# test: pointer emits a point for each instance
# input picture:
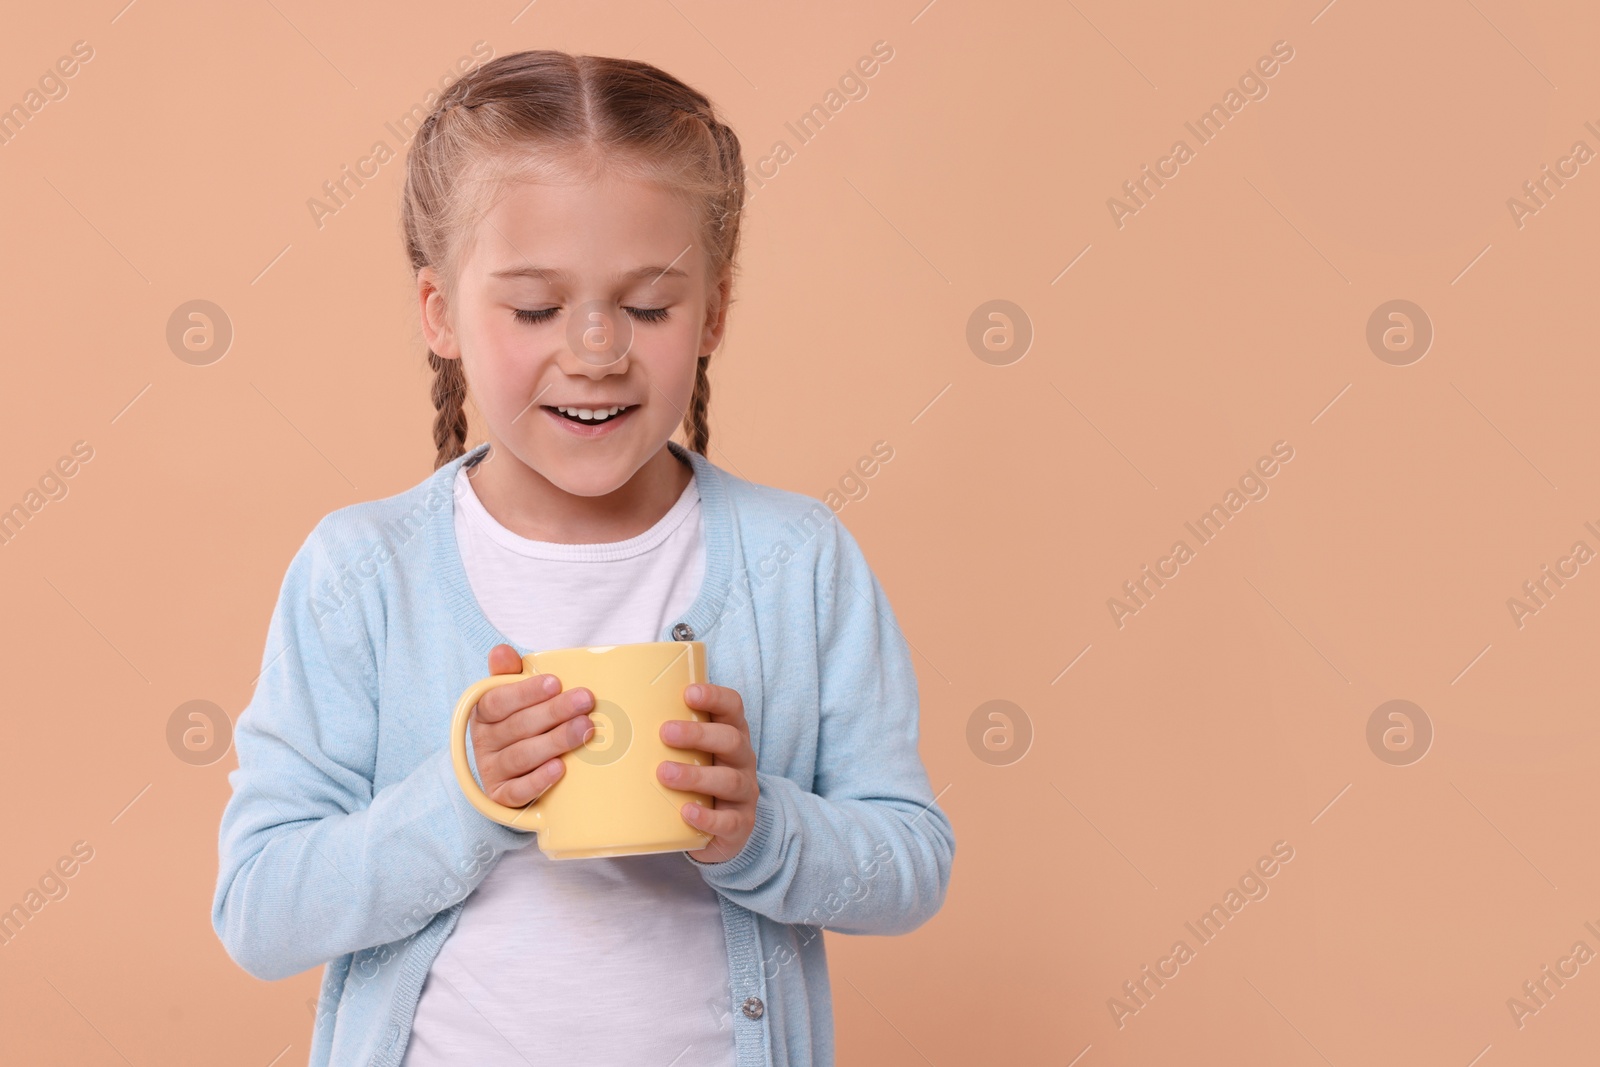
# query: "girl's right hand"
(520, 730)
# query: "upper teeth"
(591, 413)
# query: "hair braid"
(449, 400)
(696, 425)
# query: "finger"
(529, 787)
(511, 697)
(503, 659)
(540, 717)
(724, 783)
(528, 753)
(718, 701)
(718, 822)
(721, 739)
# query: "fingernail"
(670, 771)
(697, 692)
(582, 699)
(551, 684)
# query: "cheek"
(670, 355)
(504, 360)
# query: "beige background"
(1228, 314)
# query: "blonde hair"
(547, 114)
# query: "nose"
(599, 340)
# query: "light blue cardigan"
(348, 842)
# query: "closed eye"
(546, 314)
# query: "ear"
(436, 326)
(716, 314)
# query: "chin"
(591, 487)
(593, 478)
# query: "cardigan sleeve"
(868, 851)
(313, 862)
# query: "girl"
(573, 222)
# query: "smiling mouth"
(590, 416)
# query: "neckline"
(482, 635)
(473, 511)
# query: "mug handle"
(530, 817)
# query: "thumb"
(503, 659)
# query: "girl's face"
(591, 295)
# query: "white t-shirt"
(611, 962)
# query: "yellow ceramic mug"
(608, 801)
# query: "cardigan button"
(683, 632)
(753, 1008)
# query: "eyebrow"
(551, 274)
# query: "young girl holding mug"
(573, 223)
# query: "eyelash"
(545, 314)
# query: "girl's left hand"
(731, 778)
